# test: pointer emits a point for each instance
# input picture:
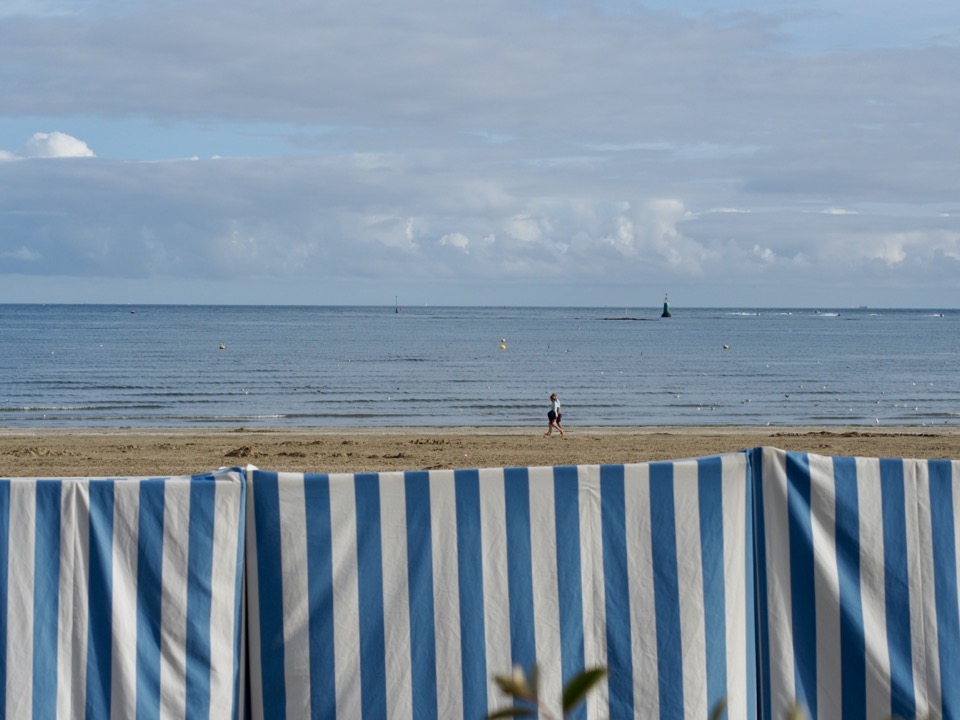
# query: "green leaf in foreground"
(578, 687)
(719, 709)
(796, 713)
(518, 685)
(510, 712)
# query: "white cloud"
(891, 251)
(765, 254)
(922, 248)
(390, 231)
(623, 237)
(56, 145)
(662, 236)
(524, 228)
(457, 240)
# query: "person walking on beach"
(554, 416)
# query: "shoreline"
(123, 452)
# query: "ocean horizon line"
(410, 306)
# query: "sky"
(743, 153)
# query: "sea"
(182, 366)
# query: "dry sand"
(138, 452)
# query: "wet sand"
(139, 452)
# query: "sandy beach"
(138, 452)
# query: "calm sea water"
(121, 366)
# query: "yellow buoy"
(502, 346)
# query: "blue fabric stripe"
(266, 510)
(323, 695)
(100, 594)
(751, 621)
(802, 595)
(759, 591)
(423, 641)
(897, 589)
(945, 583)
(4, 583)
(616, 590)
(149, 594)
(710, 494)
(666, 590)
(46, 597)
(473, 648)
(203, 491)
(373, 690)
(852, 640)
(566, 500)
(523, 648)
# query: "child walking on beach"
(554, 416)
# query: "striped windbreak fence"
(400, 594)
(757, 579)
(857, 586)
(120, 598)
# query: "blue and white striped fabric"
(857, 586)
(399, 595)
(764, 578)
(120, 598)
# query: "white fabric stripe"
(496, 603)
(223, 601)
(252, 602)
(643, 621)
(546, 598)
(446, 594)
(686, 501)
(71, 568)
(65, 636)
(123, 670)
(593, 588)
(931, 638)
(296, 610)
(243, 664)
(173, 615)
(346, 600)
(779, 606)
(734, 499)
(917, 588)
(20, 574)
(396, 595)
(826, 585)
(873, 589)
